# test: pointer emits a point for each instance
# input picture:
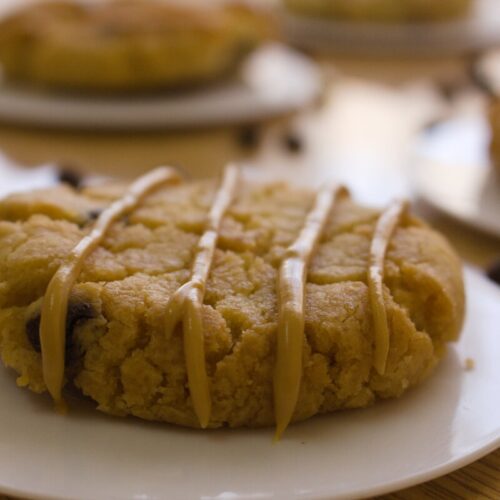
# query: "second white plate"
(274, 80)
(454, 173)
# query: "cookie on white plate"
(222, 303)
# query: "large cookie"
(125, 349)
(126, 44)
(382, 10)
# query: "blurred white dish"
(273, 80)
(448, 422)
(479, 30)
(454, 173)
(15, 179)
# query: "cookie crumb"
(469, 364)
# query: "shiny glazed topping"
(384, 230)
(55, 302)
(291, 285)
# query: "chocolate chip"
(90, 217)
(77, 313)
(248, 137)
(33, 332)
(93, 214)
(293, 142)
(493, 272)
(70, 176)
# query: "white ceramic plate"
(454, 174)
(274, 80)
(451, 420)
(479, 30)
(15, 178)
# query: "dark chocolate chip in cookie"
(33, 332)
(69, 175)
(93, 214)
(77, 313)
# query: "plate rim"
(254, 104)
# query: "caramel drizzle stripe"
(55, 302)
(187, 302)
(291, 287)
(384, 229)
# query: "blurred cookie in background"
(494, 120)
(382, 10)
(486, 75)
(127, 45)
(392, 27)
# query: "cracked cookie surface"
(117, 349)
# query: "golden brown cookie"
(391, 11)
(126, 45)
(494, 119)
(130, 326)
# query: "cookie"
(494, 120)
(222, 303)
(485, 74)
(396, 11)
(126, 45)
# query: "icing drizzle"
(55, 302)
(384, 229)
(187, 302)
(291, 287)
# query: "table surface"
(367, 119)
